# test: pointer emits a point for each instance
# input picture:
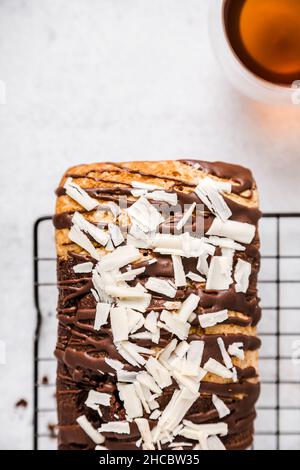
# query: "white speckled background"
(100, 80)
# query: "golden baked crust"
(80, 356)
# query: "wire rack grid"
(278, 410)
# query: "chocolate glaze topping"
(236, 173)
(81, 351)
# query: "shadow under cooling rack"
(278, 410)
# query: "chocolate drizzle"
(81, 351)
(236, 173)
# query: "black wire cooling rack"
(278, 421)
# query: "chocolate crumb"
(21, 403)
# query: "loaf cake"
(157, 266)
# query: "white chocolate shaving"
(169, 198)
(225, 355)
(131, 353)
(160, 374)
(144, 428)
(228, 253)
(124, 292)
(178, 406)
(95, 399)
(119, 324)
(181, 245)
(195, 352)
(114, 364)
(181, 349)
(189, 383)
(96, 437)
(136, 232)
(169, 305)
(241, 275)
(109, 246)
(166, 241)
(151, 321)
(186, 217)
(192, 317)
(215, 443)
(131, 274)
(194, 247)
(207, 320)
(77, 236)
(155, 414)
(238, 231)
(179, 274)
(142, 335)
(208, 191)
(137, 241)
(141, 185)
(140, 393)
(95, 232)
(175, 445)
(125, 376)
(207, 250)
(219, 274)
(161, 286)
(148, 381)
(151, 398)
(120, 257)
(192, 430)
(140, 304)
(216, 368)
(221, 407)
(195, 277)
(95, 295)
(102, 312)
(158, 195)
(115, 234)
(83, 268)
(202, 264)
(135, 320)
(234, 375)
(236, 349)
(118, 427)
(187, 308)
(132, 403)
(138, 192)
(156, 336)
(145, 215)
(174, 325)
(80, 195)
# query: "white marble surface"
(92, 80)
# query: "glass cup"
(243, 79)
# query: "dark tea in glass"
(265, 36)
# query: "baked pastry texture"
(157, 266)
